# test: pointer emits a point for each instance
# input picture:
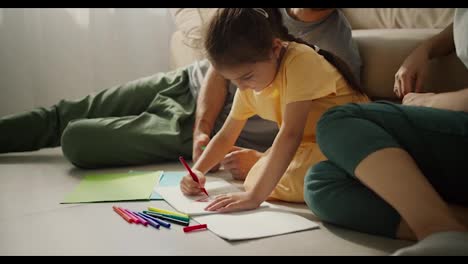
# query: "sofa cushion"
(189, 22)
(384, 50)
(183, 53)
(373, 18)
(386, 36)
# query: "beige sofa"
(385, 36)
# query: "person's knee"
(333, 124)
(334, 116)
(321, 185)
(75, 145)
(336, 197)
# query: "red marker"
(194, 177)
(122, 214)
(195, 227)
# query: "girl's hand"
(231, 202)
(189, 187)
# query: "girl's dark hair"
(244, 35)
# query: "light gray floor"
(33, 222)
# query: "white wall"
(50, 54)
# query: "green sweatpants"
(436, 139)
(143, 121)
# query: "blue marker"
(150, 221)
(159, 221)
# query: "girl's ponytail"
(276, 19)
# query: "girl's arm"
(217, 148)
(277, 161)
(220, 145)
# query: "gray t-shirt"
(332, 33)
(460, 34)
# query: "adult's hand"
(412, 73)
(239, 162)
(200, 141)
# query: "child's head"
(244, 45)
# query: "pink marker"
(136, 220)
(142, 220)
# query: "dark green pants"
(436, 139)
(143, 121)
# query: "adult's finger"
(396, 86)
(406, 84)
(419, 84)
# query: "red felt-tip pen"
(194, 177)
(123, 214)
(194, 227)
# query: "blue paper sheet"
(169, 178)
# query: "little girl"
(280, 79)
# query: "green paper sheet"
(114, 187)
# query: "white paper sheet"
(262, 222)
(195, 205)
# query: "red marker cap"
(194, 227)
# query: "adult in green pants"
(141, 122)
(160, 117)
(400, 170)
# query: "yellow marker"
(157, 210)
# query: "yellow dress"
(302, 75)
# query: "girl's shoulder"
(300, 52)
(301, 47)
